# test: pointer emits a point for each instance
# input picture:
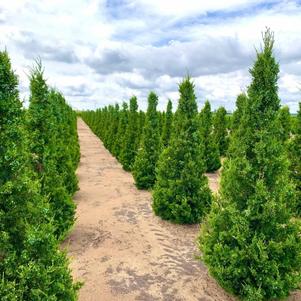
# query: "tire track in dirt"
(120, 249)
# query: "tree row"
(39, 153)
(250, 232)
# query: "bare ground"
(120, 249)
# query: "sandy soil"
(120, 249)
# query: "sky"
(99, 52)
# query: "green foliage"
(295, 162)
(284, 123)
(113, 127)
(131, 139)
(31, 265)
(54, 148)
(220, 132)
(241, 103)
(211, 151)
(167, 127)
(250, 242)
(149, 150)
(141, 123)
(122, 124)
(181, 193)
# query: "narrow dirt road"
(119, 248)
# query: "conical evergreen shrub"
(294, 151)
(250, 242)
(181, 193)
(284, 123)
(167, 127)
(122, 124)
(131, 139)
(31, 265)
(220, 133)
(211, 151)
(113, 127)
(149, 150)
(241, 102)
(46, 146)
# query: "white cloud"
(99, 52)
(179, 8)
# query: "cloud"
(81, 90)
(100, 52)
(206, 56)
(33, 47)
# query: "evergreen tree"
(106, 126)
(31, 265)
(167, 127)
(211, 152)
(162, 119)
(181, 193)
(130, 143)
(113, 127)
(241, 102)
(45, 148)
(295, 162)
(250, 242)
(220, 133)
(284, 123)
(141, 122)
(122, 124)
(148, 153)
(66, 141)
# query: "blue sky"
(100, 52)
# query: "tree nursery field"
(121, 204)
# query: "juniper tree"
(167, 127)
(31, 265)
(250, 242)
(130, 143)
(294, 151)
(45, 148)
(220, 133)
(149, 149)
(181, 193)
(211, 152)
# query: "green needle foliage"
(250, 242)
(31, 265)
(295, 162)
(181, 193)
(148, 153)
(167, 127)
(211, 151)
(51, 155)
(220, 132)
(131, 139)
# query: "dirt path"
(119, 248)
